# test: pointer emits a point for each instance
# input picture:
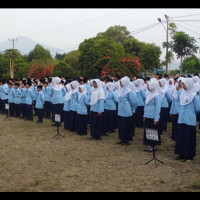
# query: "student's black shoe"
(53, 124)
(111, 132)
(92, 138)
(187, 159)
(126, 144)
(106, 134)
(98, 138)
(121, 142)
(180, 158)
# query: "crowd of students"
(110, 104)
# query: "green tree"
(21, 68)
(63, 69)
(116, 33)
(4, 67)
(12, 55)
(183, 45)
(191, 65)
(60, 56)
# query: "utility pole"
(167, 40)
(11, 60)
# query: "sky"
(67, 28)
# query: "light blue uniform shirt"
(34, 92)
(141, 97)
(5, 92)
(23, 96)
(187, 114)
(17, 96)
(176, 106)
(40, 100)
(29, 96)
(67, 106)
(152, 110)
(166, 100)
(127, 105)
(1, 91)
(11, 96)
(111, 101)
(74, 102)
(99, 107)
(57, 97)
(47, 92)
(82, 105)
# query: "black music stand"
(152, 136)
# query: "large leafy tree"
(183, 45)
(191, 65)
(4, 67)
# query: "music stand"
(152, 135)
(58, 124)
(7, 108)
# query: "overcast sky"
(67, 28)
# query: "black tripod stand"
(7, 115)
(58, 124)
(154, 157)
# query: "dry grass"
(29, 162)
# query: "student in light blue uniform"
(82, 112)
(152, 112)
(1, 90)
(47, 99)
(4, 95)
(141, 98)
(40, 104)
(73, 105)
(23, 99)
(166, 99)
(17, 101)
(186, 134)
(58, 93)
(97, 103)
(29, 95)
(126, 109)
(175, 107)
(34, 88)
(111, 108)
(66, 108)
(11, 100)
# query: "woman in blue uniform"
(126, 108)
(186, 134)
(82, 112)
(97, 104)
(152, 112)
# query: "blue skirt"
(163, 119)
(125, 129)
(110, 120)
(82, 124)
(139, 115)
(174, 127)
(66, 120)
(97, 125)
(57, 109)
(149, 123)
(73, 121)
(186, 141)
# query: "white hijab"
(125, 89)
(175, 92)
(153, 91)
(56, 84)
(68, 95)
(171, 87)
(132, 86)
(139, 83)
(188, 95)
(110, 88)
(164, 88)
(97, 93)
(75, 85)
(84, 91)
(196, 84)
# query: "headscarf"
(68, 95)
(111, 88)
(125, 89)
(75, 85)
(56, 84)
(164, 88)
(171, 87)
(188, 95)
(139, 83)
(196, 84)
(97, 93)
(132, 86)
(84, 91)
(153, 91)
(175, 92)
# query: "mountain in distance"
(25, 45)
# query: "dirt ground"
(31, 162)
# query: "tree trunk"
(11, 69)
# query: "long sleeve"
(157, 108)
(133, 101)
(101, 106)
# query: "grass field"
(30, 162)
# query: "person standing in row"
(17, 101)
(186, 134)
(126, 109)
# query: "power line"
(185, 16)
(187, 29)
